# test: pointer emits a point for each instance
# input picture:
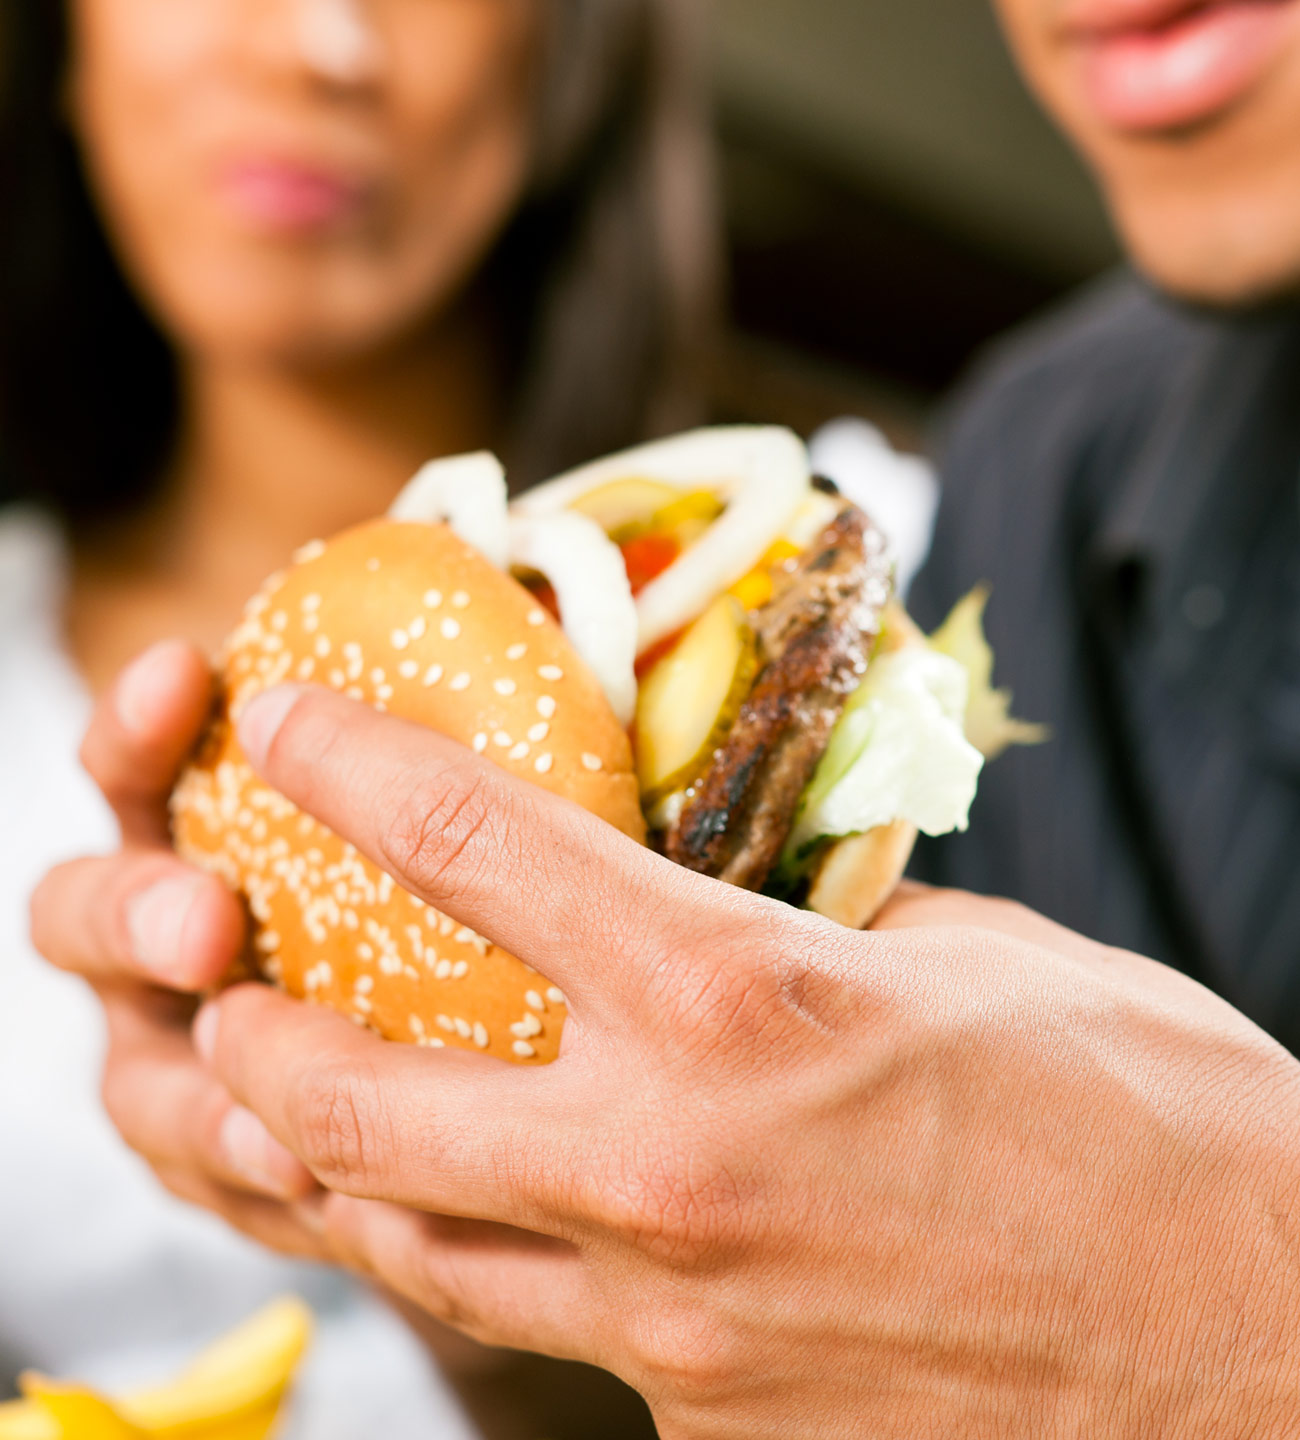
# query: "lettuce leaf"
(989, 724)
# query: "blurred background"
(893, 200)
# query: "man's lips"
(1165, 64)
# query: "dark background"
(893, 200)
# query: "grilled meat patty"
(815, 637)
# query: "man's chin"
(1200, 266)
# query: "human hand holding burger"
(970, 1174)
(778, 1168)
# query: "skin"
(969, 1175)
(321, 363)
(1210, 211)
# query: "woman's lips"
(1153, 65)
(287, 197)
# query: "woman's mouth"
(1161, 65)
(288, 197)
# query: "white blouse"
(104, 1277)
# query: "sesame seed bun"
(409, 619)
(858, 874)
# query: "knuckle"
(338, 1121)
(685, 1354)
(118, 1095)
(682, 1206)
(440, 833)
(731, 996)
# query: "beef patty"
(815, 637)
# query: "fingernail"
(253, 1152)
(204, 1032)
(144, 685)
(155, 922)
(262, 718)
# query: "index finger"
(582, 903)
(142, 732)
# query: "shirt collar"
(1171, 530)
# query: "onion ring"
(764, 474)
(586, 571)
(466, 492)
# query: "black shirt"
(1127, 476)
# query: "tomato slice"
(647, 557)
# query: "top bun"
(409, 619)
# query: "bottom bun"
(860, 873)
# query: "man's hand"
(970, 1176)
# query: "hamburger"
(696, 640)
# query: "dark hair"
(607, 270)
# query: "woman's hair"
(607, 272)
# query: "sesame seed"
(377, 675)
(431, 676)
(355, 692)
(310, 603)
(505, 686)
(503, 740)
(463, 1028)
(539, 732)
(365, 984)
(384, 692)
(460, 969)
(408, 669)
(436, 1044)
(534, 1001)
(307, 669)
(462, 681)
(416, 1024)
(400, 639)
(480, 743)
(323, 647)
(417, 628)
(592, 762)
(516, 652)
(433, 598)
(443, 970)
(279, 621)
(312, 550)
(363, 1004)
(311, 623)
(450, 629)
(523, 1049)
(543, 763)
(351, 651)
(521, 751)
(537, 617)
(460, 600)
(526, 1028)
(550, 672)
(481, 1037)
(445, 1022)
(338, 679)
(556, 996)
(546, 707)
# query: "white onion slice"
(764, 474)
(586, 571)
(467, 492)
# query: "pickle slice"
(691, 698)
